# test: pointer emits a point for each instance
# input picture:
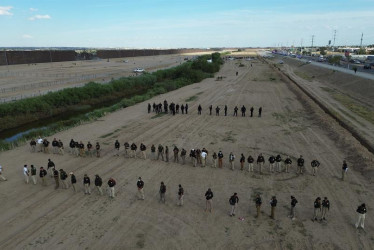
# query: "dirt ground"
(27, 80)
(36, 217)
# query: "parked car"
(367, 66)
(138, 70)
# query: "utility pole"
(334, 38)
(311, 50)
(362, 35)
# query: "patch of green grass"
(158, 115)
(304, 75)
(107, 135)
(191, 98)
(355, 107)
(327, 89)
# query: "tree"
(322, 51)
(361, 51)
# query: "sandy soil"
(36, 217)
(26, 80)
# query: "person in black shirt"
(162, 192)
(198, 110)
(260, 162)
(42, 175)
(236, 111)
(225, 110)
(271, 163)
(89, 149)
(361, 210)
(258, 201)
(325, 208)
(317, 208)
(251, 111)
(278, 163)
(243, 109)
(149, 108)
(98, 149)
(73, 180)
(250, 161)
(86, 183)
(72, 146)
(344, 170)
(140, 185)
(98, 184)
(116, 148)
(300, 164)
(217, 111)
(315, 164)
(293, 208)
(234, 200)
(133, 150)
(210, 109)
(180, 195)
(81, 149)
(287, 163)
(186, 107)
(273, 204)
(208, 197)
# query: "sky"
(184, 24)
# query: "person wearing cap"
(33, 174)
(63, 177)
(317, 208)
(98, 183)
(325, 208)
(87, 183)
(140, 185)
(1, 174)
(42, 175)
(26, 173)
(208, 197)
(111, 184)
(73, 180)
(234, 200)
(273, 204)
(293, 208)
(180, 195)
(55, 176)
(361, 210)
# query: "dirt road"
(36, 217)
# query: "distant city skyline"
(184, 24)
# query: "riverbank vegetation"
(132, 89)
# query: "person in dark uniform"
(361, 210)
(199, 109)
(81, 149)
(186, 107)
(183, 155)
(293, 208)
(76, 148)
(288, 163)
(72, 146)
(149, 108)
(250, 161)
(177, 108)
(176, 154)
(325, 208)
(251, 111)
(127, 149)
(278, 163)
(315, 164)
(57, 181)
(98, 149)
(140, 185)
(259, 112)
(242, 161)
(258, 201)
(220, 159)
(153, 152)
(193, 157)
(154, 107)
(160, 152)
(243, 109)
(260, 162)
(33, 145)
(217, 111)
(89, 149)
(208, 203)
(182, 109)
(317, 208)
(73, 180)
(236, 111)
(271, 163)
(225, 110)
(234, 200)
(273, 204)
(86, 184)
(300, 164)
(143, 148)
(133, 150)
(210, 109)
(42, 175)
(166, 153)
(344, 170)
(98, 184)
(51, 167)
(180, 195)
(162, 192)
(116, 148)
(165, 106)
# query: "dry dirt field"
(26, 80)
(36, 217)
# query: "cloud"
(25, 36)
(5, 10)
(33, 9)
(37, 17)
